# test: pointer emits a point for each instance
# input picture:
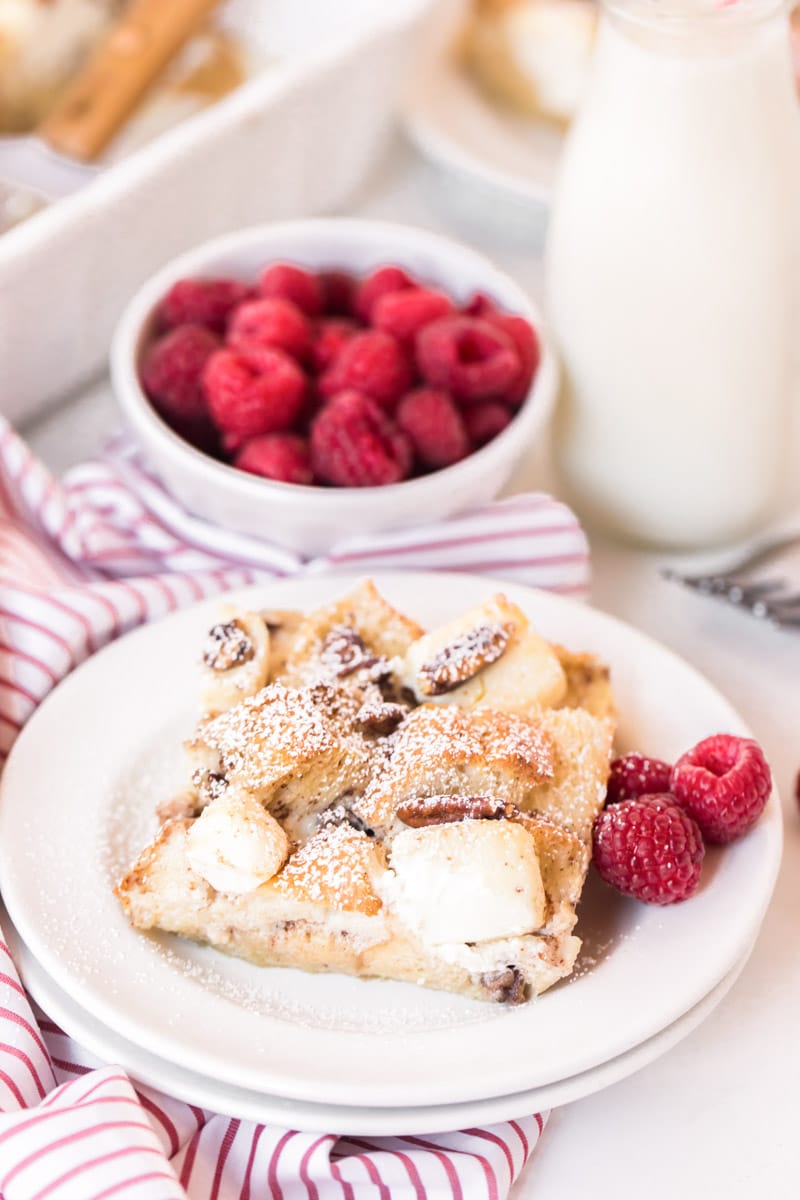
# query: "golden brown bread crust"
(282, 624)
(384, 631)
(576, 792)
(441, 749)
(335, 868)
(588, 684)
(295, 749)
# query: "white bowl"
(312, 519)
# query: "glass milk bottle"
(672, 270)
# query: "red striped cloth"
(82, 561)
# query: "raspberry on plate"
(724, 783)
(289, 282)
(271, 322)
(253, 392)
(172, 373)
(355, 444)
(206, 302)
(379, 283)
(635, 775)
(485, 420)
(435, 427)
(467, 356)
(404, 313)
(649, 848)
(374, 363)
(281, 456)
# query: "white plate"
(340, 1119)
(76, 806)
(453, 123)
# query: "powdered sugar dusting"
(365, 1005)
(281, 731)
(433, 733)
(158, 772)
(334, 868)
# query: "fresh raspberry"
(282, 456)
(354, 443)
(252, 392)
(523, 336)
(724, 783)
(172, 373)
(404, 313)
(468, 357)
(289, 282)
(403, 452)
(649, 848)
(330, 335)
(206, 302)
(271, 322)
(485, 420)
(526, 342)
(374, 363)
(479, 305)
(637, 775)
(379, 283)
(338, 293)
(434, 426)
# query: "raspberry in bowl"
(315, 380)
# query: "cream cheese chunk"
(470, 881)
(235, 845)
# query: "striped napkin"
(82, 561)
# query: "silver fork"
(772, 599)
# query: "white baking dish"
(293, 141)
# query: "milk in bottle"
(673, 270)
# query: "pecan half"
(344, 651)
(380, 716)
(462, 658)
(505, 987)
(441, 810)
(227, 646)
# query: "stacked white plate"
(329, 1052)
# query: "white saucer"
(76, 804)
(263, 1108)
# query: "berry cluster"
(323, 378)
(649, 841)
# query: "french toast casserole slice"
(379, 801)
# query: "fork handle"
(108, 88)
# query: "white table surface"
(718, 1115)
